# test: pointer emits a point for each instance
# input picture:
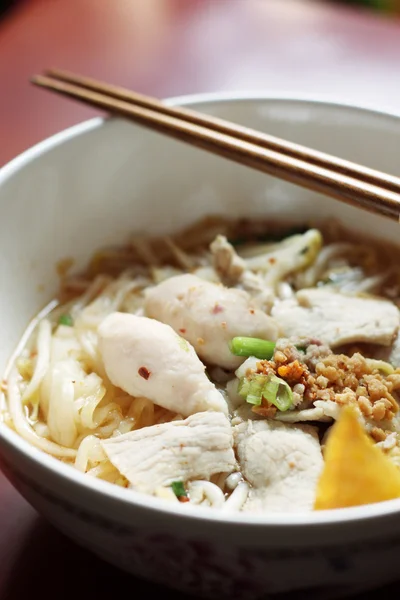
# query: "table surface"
(164, 48)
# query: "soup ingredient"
(321, 382)
(66, 320)
(179, 489)
(338, 379)
(60, 389)
(247, 346)
(336, 318)
(232, 270)
(273, 389)
(205, 493)
(277, 261)
(41, 363)
(147, 358)
(281, 462)
(229, 266)
(356, 471)
(208, 316)
(237, 498)
(24, 428)
(194, 448)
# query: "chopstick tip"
(41, 80)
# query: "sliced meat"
(233, 271)
(229, 266)
(336, 318)
(208, 316)
(281, 462)
(147, 358)
(154, 457)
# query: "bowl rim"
(130, 498)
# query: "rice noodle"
(22, 426)
(144, 250)
(142, 412)
(233, 480)
(238, 497)
(205, 492)
(104, 470)
(89, 450)
(311, 275)
(98, 284)
(42, 359)
(368, 284)
(220, 480)
(60, 416)
(183, 259)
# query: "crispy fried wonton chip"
(356, 471)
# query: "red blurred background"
(173, 47)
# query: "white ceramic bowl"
(95, 184)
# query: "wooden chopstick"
(246, 134)
(352, 189)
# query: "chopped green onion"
(66, 320)
(250, 388)
(255, 393)
(274, 389)
(278, 392)
(243, 387)
(178, 489)
(271, 388)
(248, 346)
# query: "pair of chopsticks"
(340, 179)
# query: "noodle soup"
(209, 367)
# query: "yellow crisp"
(356, 471)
